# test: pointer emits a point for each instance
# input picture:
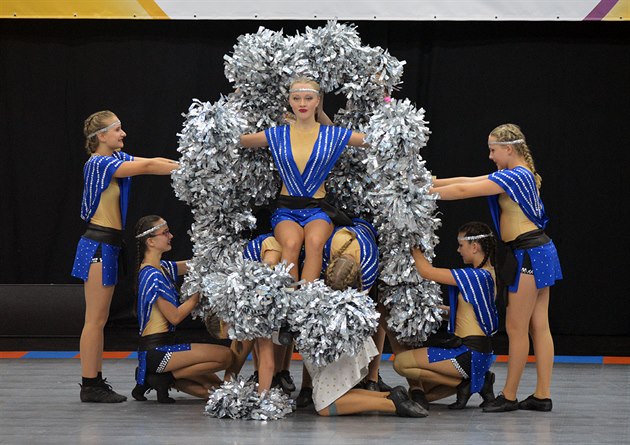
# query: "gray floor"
(39, 403)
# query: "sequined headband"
(151, 230)
(474, 237)
(103, 130)
(304, 90)
(516, 141)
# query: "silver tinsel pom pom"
(239, 399)
(404, 215)
(330, 323)
(387, 183)
(251, 297)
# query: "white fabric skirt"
(332, 381)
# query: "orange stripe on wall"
(616, 360)
(153, 9)
(12, 354)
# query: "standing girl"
(519, 216)
(107, 177)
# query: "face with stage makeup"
(304, 99)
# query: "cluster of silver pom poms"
(386, 183)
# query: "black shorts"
(462, 363)
(157, 361)
(526, 267)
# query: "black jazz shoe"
(487, 390)
(101, 392)
(463, 394)
(418, 396)
(535, 404)
(304, 398)
(501, 405)
(405, 407)
(161, 383)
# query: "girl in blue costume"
(107, 177)
(162, 362)
(305, 153)
(519, 217)
(463, 365)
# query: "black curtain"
(566, 84)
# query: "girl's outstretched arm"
(428, 272)
(254, 140)
(465, 190)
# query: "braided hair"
(488, 244)
(343, 272)
(512, 132)
(143, 224)
(93, 123)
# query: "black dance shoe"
(304, 398)
(140, 390)
(405, 407)
(463, 394)
(370, 385)
(286, 381)
(102, 392)
(418, 396)
(161, 383)
(535, 404)
(285, 336)
(501, 405)
(487, 390)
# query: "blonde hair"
(307, 81)
(343, 272)
(93, 123)
(512, 132)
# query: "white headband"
(304, 90)
(516, 141)
(103, 130)
(151, 230)
(474, 237)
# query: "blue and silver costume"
(97, 175)
(520, 186)
(477, 288)
(253, 250)
(328, 147)
(366, 237)
(154, 284)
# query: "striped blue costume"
(366, 237)
(520, 185)
(328, 147)
(97, 175)
(154, 284)
(477, 288)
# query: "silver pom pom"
(239, 399)
(331, 323)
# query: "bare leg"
(202, 359)
(290, 235)
(543, 344)
(240, 351)
(415, 365)
(97, 302)
(360, 401)
(518, 315)
(379, 341)
(266, 364)
(316, 233)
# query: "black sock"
(90, 381)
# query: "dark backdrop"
(567, 85)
